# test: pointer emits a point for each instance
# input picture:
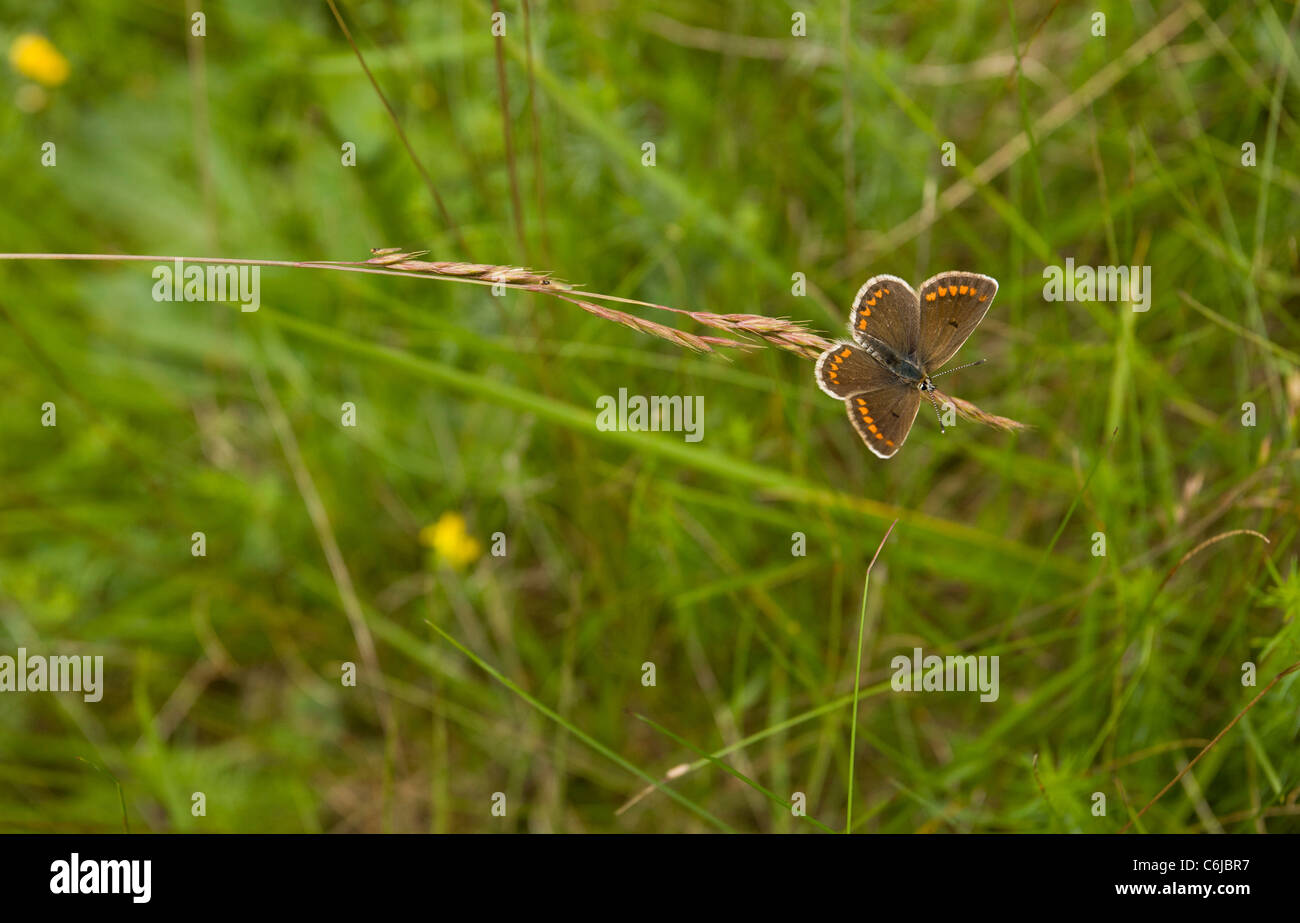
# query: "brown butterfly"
(900, 341)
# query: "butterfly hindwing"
(952, 305)
(883, 418)
(881, 405)
(886, 309)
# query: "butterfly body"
(908, 368)
(900, 339)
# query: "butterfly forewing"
(881, 405)
(952, 305)
(886, 309)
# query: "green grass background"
(775, 155)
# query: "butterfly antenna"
(959, 368)
(938, 413)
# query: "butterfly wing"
(952, 305)
(886, 309)
(845, 370)
(880, 405)
(884, 418)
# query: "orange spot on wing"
(962, 290)
(872, 427)
(889, 442)
(930, 297)
(984, 297)
(862, 324)
(845, 354)
(942, 291)
(878, 435)
(871, 304)
(869, 420)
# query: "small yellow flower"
(35, 57)
(450, 541)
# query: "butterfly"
(900, 341)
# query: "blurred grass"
(222, 673)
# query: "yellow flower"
(450, 542)
(35, 57)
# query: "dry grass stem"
(778, 332)
(396, 258)
(693, 341)
(968, 411)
